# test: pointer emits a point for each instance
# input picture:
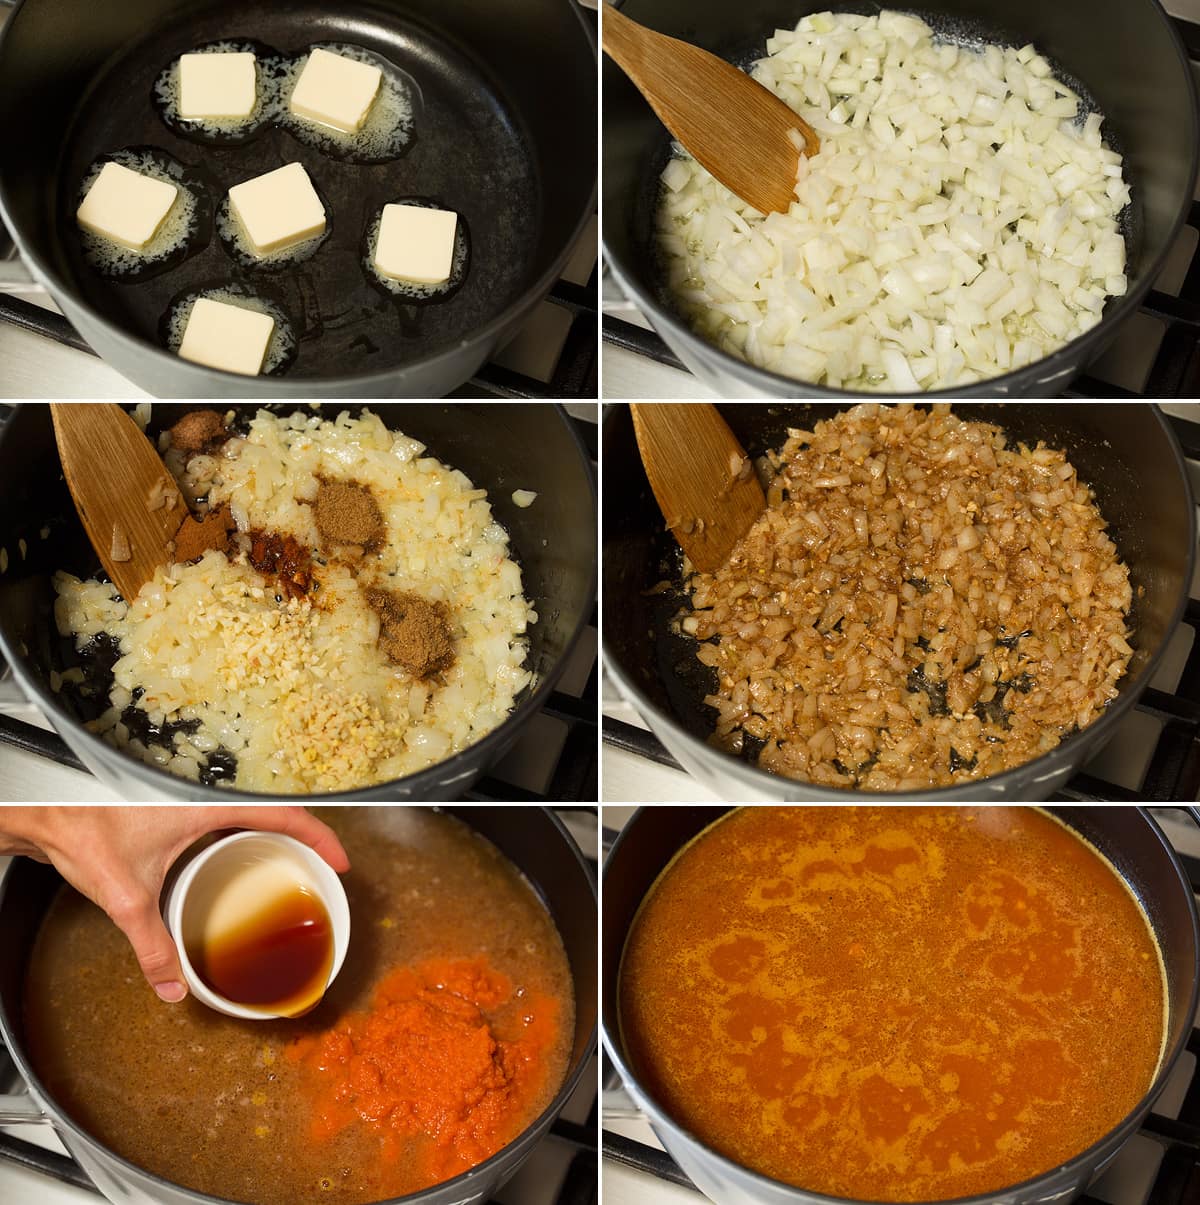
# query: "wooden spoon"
(727, 121)
(701, 476)
(128, 503)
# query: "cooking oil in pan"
(410, 290)
(182, 232)
(281, 350)
(267, 942)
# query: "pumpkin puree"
(446, 1064)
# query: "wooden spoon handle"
(707, 104)
(702, 479)
(112, 471)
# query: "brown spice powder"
(200, 431)
(414, 632)
(196, 536)
(347, 513)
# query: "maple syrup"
(276, 958)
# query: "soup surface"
(893, 1004)
(447, 1032)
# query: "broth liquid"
(278, 960)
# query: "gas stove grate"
(1173, 772)
(1177, 1181)
(575, 777)
(1175, 372)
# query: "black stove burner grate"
(575, 777)
(1177, 1181)
(1175, 372)
(1173, 772)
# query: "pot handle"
(14, 275)
(21, 1109)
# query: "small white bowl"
(201, 881)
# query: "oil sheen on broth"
(227, 1106)
(893, 1004)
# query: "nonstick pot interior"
(1110, 48)
(1127, 837)
(533, 839)
(75, 84)
(1125, 452)
(501, 447)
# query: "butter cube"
(126, 206)
(278, 209)
(335, 91)
(416, 243)
(226, 336)
(217, 84)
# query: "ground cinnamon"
(196, 536)
(347, 513)
(414, 632)
(198, 432)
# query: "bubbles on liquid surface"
(409, 290)
(282, 348)
(183, 229)
(166, 98)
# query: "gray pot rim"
(532, 1133)
(1068, 359)
(198, 378)
(1077, 1166)
(753, 778)
(487, 747)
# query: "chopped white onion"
(960, 219)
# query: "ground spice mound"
(284, 559)
(196, 536)
(198, 432)
(446, 1063)
(347, 513)
(919, 605)
(414, 632)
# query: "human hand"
(119, 856)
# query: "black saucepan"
(505, 135)
(1125, 451)
(1128, 837)
(501, 446)
(1112, 47)
(532, 838)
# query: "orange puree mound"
(447, 1062)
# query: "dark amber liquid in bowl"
(278, 960)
